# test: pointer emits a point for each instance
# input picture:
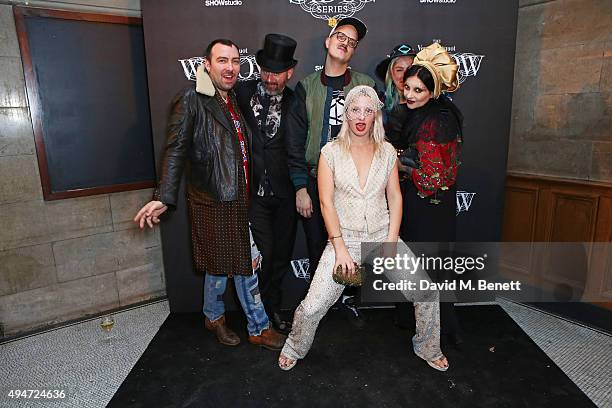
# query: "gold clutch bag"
(350, 279)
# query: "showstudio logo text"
(437, 1)
(222, 3)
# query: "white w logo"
(248, 67)
(464, 200)
(469, 64)
(300, 268)
(190, 66)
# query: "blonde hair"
(377, 132)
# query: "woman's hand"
(403, 168)
(405, 171)
(344, 258)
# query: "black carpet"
(498, 366)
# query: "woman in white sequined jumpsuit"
(361, 202)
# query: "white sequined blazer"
(360, 209)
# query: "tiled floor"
(89, 365)
(79, 359)
(585, 355)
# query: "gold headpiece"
(442, 67)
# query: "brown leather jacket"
(200, 137)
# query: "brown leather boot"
(224, 334)
(269, 338)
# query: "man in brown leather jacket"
(209, 139)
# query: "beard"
(224, 87)
(272, 88)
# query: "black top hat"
(402, 50)
(277, 54)
(355, 22)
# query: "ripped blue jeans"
(247, 288)
(248, 293)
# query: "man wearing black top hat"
(264, 104)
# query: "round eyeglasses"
(343, 37)
(358, 113)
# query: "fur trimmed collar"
(204, 84)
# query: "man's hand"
(150, 214)
(303, 203)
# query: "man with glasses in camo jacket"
(314, 119)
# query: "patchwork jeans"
(247, 289)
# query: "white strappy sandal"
(286, 367)
(436, 367)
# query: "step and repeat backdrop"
(480, 34)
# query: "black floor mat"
(498, 366)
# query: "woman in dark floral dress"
(432, 136)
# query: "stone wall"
(562, 102)
(64, 259)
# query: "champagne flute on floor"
(106, 324)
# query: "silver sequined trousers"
(324, 292)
